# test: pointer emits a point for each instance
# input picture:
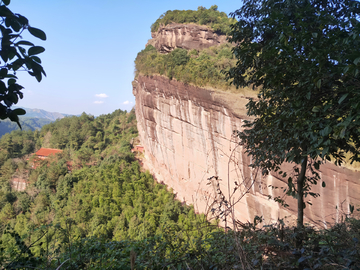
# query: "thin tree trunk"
(300, 188)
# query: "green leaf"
(38, 77)
(17, 64)
(11, 76)
(316, 109)
(19, 111)
(6, 2)
(12, 22)
(13, 117)
(343, 97)
(37, 33)
(24, 42)
(323, 184)
(35, 50)
(342, 132)
(326, 131)
(357, 60)
(11, 81)
(318, 84)
(36, 59)
(3, 72)
(314, 35)
(22, 20)
(325, 151)
(5, 12)
(3, 88)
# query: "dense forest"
(94, 189)
(218, 21)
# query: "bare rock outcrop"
(185, 36)
(187, 135)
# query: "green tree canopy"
(304, 56)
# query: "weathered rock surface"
(185, 36)
(187, 135)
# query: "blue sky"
(90, 50)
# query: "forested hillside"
(105, 196)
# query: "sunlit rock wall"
(187, 135)
(185, 36)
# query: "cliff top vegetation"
(218, 21)
(201, 68)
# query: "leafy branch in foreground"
(16, 54)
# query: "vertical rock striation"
(185, 36)
(187, 135)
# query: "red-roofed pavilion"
(46, 152)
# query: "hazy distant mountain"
(27, 123)
(38, 113)
(34, 119)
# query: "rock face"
(185, 36)
(187, 135)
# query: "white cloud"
(127, 102)
(98, 102)
(103, 95)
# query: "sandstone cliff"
(185, 36)
(187, 135)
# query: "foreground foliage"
(16, 55)
(94, 189)
(251, 247)
(304, 56)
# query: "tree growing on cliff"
(15, 57)
(304, 57)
